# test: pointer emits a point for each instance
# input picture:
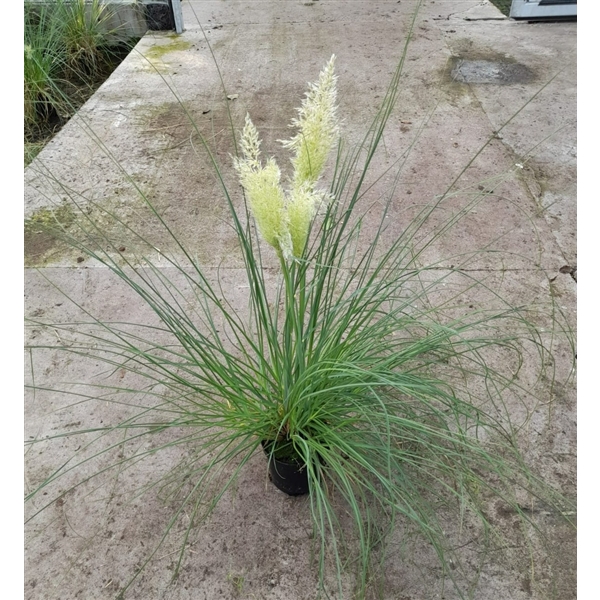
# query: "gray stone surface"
(135, 135)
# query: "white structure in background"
(536, 10)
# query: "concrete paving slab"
(134, 135)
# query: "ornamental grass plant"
(86, 35)
(361, 361)
(69, 49)
(43, 64)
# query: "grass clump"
(363, 364)
(85, 35)
(69, 50)
(43, 65)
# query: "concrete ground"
(470, 75)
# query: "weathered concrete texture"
(139, 135)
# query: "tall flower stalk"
(284, 219)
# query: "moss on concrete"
(43, 231)
(174, 44)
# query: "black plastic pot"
(288, 476)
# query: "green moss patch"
(42, 231)
(175, 44)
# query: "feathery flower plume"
(284, 220)
(262, 184)
(301, 209)
(318, 128)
